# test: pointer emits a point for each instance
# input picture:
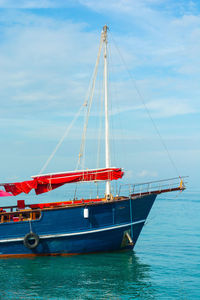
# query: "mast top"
(105, 28)
(104, 32)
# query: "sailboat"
(86, 225)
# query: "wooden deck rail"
(21, 215)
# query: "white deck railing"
(158, 187)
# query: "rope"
(82, 147)
(30, 225)
(113, 135)
(100, 129)
(131, 215)
(61, 140)
(147, 110)
(75, 118)
(89, 104)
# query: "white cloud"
(41, 63)
(46, 63)
(41, 59)
(155, 34)
(29, 4)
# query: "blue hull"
(65, 231)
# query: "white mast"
(107, 148)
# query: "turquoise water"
(164, 265)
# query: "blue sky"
(47, 54)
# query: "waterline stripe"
(49, 236)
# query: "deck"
(27, 212)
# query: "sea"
(165, 263)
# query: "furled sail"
(17, 188)
(47, 182)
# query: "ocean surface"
(164, 265)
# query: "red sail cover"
(5, 194)
(48, 182)
(17, 188)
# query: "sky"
(48, 51)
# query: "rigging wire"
(113, 95)
(81, 157)
(112, 131)
(85, 104)
(100, 125)
(146, 109)
(61, 140)
(123, 133)
(100, 130)
(82, 147)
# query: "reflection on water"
(97, 276)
